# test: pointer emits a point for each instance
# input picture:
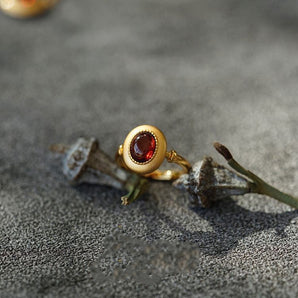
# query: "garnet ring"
(143, 152)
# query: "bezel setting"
(158, 156)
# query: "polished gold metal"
(149, 168)
(26, 8)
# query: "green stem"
(272, 192)
(136, 185)
(264, 188)
(240, 169)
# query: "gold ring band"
(144, 150)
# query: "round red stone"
(142, 147)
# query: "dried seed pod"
(85, 162)
(208, 181)
(258, 185)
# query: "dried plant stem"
(135, 185)
(259, 186)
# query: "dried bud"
(223, 150)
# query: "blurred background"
(201, 71)
(102, 67)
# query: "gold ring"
(144, 150)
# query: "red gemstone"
(142, 147)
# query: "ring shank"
(166, 175)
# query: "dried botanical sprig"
(85, 162)
(259, 186)
(208, 181)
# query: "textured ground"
(201, 71)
